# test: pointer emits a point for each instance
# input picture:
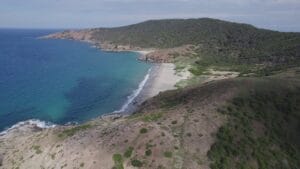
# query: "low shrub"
(118, 160)
(136, 163)
(168, 154)
(128, 152)
(148, 152)
(143, 130)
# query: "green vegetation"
(136, 163)
(143, 130)
(263, 129)
(128, 152)
(37, 149)
(152, 117)
(118, 160)
(198, 70)
(168, 154)
(217, 42)
(72, 131)
(148, 152)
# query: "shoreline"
(150, 86)
(160, 77)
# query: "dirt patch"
(168, 55)
(220, 75)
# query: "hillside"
(220, 41)
(237, 123)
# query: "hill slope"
(215, 39)
(237, 123)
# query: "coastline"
(28, 125)
(160, 77)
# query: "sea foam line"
(134, 94)
(44, 124)
(36, 122)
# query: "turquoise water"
(61, 81)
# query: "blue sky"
(283, 15)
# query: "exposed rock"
(81, 35)
(158, 55)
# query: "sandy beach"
(162, 77)
(143, 52)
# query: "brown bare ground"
(168, 55)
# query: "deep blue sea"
(61, 81)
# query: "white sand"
(163, 79)
(144, 52)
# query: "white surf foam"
(134, 94)
(35, 122)
(44, 124)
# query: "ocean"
(62, 81)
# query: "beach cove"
(146, 82)
(62, 81)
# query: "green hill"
(220, 41)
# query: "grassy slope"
(263, 122)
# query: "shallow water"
(62, 81)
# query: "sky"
(282, 15)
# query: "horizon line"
(98, 26)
